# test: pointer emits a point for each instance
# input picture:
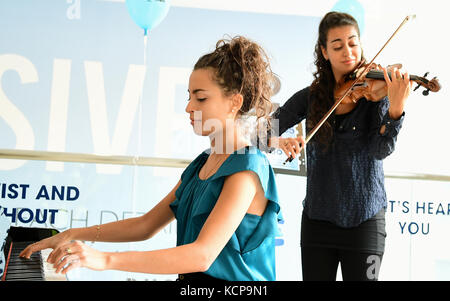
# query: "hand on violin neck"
(392, 67)
(399, 88)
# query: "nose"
(347, 51)
(188, 108)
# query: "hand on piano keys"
(67, 255)
(34, 268)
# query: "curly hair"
(242, 66)
(322, 87)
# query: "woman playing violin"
(343, 218)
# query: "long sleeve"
(382, 145)
(291, 113)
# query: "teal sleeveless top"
(250, 253)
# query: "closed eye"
(198, 99)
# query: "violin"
(373, 87)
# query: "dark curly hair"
(322, 87)
(242, 66)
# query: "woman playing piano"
(225, 204)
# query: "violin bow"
(328, 114)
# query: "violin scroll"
(432, 85)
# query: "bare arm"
(132, 229)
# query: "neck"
(338, 77)
(227, 141)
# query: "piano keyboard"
(4, 229)
(15, 268)
(49, 270)
(20, 268)
(34, 269)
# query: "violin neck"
(378, 74)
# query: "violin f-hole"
(363, 85)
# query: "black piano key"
(20, 268)
(24, 275)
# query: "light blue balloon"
(353, 8)
(147, 14)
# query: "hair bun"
(242, 66)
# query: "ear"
(324, 52)
(236, 102)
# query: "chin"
(349, 68)
(200, 132)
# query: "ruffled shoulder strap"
(251, 158)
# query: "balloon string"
(139, 142)
(141, 97)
